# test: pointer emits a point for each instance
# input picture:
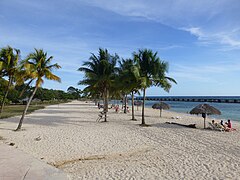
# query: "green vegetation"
(16, 78)
(16, 110)
(106, 79)
(8, 67)
(152, 72)
(38, 66)
(100, 72)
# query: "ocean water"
(228, 110)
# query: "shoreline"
(68, 136)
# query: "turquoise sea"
(228, 110)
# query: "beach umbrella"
(137, 103)
(205, 109)
(161, 106)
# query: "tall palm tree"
(129, 79)
(39, 66)
(153, 73)
(100, 74)
(9, 58)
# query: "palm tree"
(100, 74)
(9, 58)
(39, 66)
(129, 79)
(153, 73)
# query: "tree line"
(106, 76)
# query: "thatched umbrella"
(205, 109)
(161, 106)
(137, 103)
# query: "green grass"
(15, 110)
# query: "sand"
(68, 137)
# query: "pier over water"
(203, 99)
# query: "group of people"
(227, 126)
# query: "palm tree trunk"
(160, 112)
(6, 93)
(26, 108)
(205, 121)
(133, 118)
(105, 103)
(125, 103)
(143, 105)
(122, 101)
(24, 89)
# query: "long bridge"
(194, 99)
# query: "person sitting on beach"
(217, 125)
(222, 123)
(228, 126)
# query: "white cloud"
(211, 22)
(196, 31)
(208, 73)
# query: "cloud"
(196, 31)
(230, 39)
(208, 73)
(211, 22)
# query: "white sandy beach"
(69, 138)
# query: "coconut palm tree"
(129, 79)
(9, 58)
(39, 66)
(153, 73)
(100, 74)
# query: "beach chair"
(100, 116)
(215, 127)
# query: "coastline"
(72, 140)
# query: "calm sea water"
(228, 110)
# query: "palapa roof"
(137, 103)
(205, 109)
(161, 105)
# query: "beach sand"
(68, 137)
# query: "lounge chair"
(216, 127)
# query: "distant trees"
(75, 92)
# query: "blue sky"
(199, 39)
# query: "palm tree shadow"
(169, 126)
